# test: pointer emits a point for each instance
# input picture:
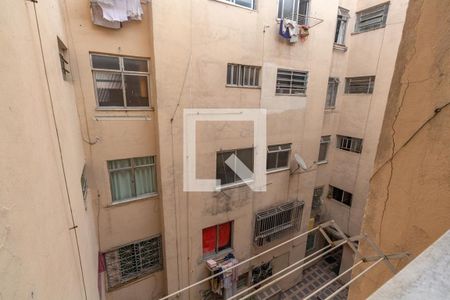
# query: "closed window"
(121, 81)
(217, 238)
(330, 101)
(340, 195)
(297, 10)
(341, 26)
(244, 3)
(310, 241)
(317, 197)
(241, 75)
(278, 156)
(131, 178)
(225, 174)
(133, 261)
(359, 85)
(291, 82)
(371, 18)
(323, 149)
(349, 143)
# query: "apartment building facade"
(130, 83)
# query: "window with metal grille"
(359, 85)
(291, 82)
(133, 261)
(341, 26)
(317, 197)
(276, 222)
(84, 185)
(244, 3)
(323, 149)
(217, 238)
(132, 178)
(224, 173)
(242, 75)
(121, 82)
(63, 59)
(278, 156)
(296, 10)
(349, 143)
(330, 101)
(371, 18)
(340, 195)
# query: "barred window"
(323, 149)
(371, 18)
(225, 173)
(359, 85)
(133, 261)
(121, 81)
(276, 222)
(291, 82)
(330, 101)
(349, 143)
(340, 195)
(278, 156)
(242, 75)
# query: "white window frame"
(360, 85)
(63, 59)
(333, 86)
(279, 148)
(324, 140)
(233, 2)
(122, 73)
(295, 15)
(341, 28)
(362, 16)
(243, 76)
(293, 86)
(348, 143)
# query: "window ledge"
(277, 170)
(291, 95)
(100, 108)
(339, 203)
(330, 109)
(373, 29)
(243, 87)
(235, 5)
(221, 253)
(132, 200)
(340, 47)
(323, 162)
(233, 185)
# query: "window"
(217, 238)
(371, 18)
(340, 195)
(133, 261)
(241, 75)
(121, 81)
(330, 101)
(242, 281)
(84, 185)
(317, 197)
(349, 143)
(291, 82)
(359, 85)
(278, 221)
(341, 26)
(131, 178)
(63, 59)
(310, 241)
(244, 3)
(225, 173)
(323, 149)
(296, 10)
(278, 156)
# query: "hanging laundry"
(134, 10)
(97, 17)
(283, 30)
(289, 30)
(120, 10)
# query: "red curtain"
(209, 240)
(224, 236)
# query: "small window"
(291, 82)
(278, 156)
(84, 185)
(242, 281)
(330, 101)
(371, 18)
(323, 149)
(340, 195)
(131, 178)
(63, 59)
(341, 26)
(349, 143)
(311, 241)
(317, 197)
(296, 10)
(217, 238)
(245, 3)
(133, 261)
(224, 173)
(359, 85)
(121, 81)
(243, 76)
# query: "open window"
(296, 10)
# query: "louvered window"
(291, 82)
(359, 85)
(242, 75)
(371, 18)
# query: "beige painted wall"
(408, 204)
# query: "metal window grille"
(62, 49)
(371, 18)
(133, 261)
(225, 173)
(277, 222)
(242, 75)
(341, 26)
(332, 89)
(359, 85)
(278, 156)
(121, 81)
(349, 143)
(323, 149)
(340, 195)
(245, 3)
(84, 184)
(297, 10)
(291, 82)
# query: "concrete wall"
(408, 204)
(41, 257)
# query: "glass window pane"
(121, 185)
(347, 199)
(209, 240)
(229, 73)
(283, 159)
(323, 152)
(246, 3)
(224, 239)
(105, 62)
(138, 65)
(145, 180)
(119, 164)
(246, 156)
(223, 172)
(109, 88)
(148, 160)
(288, 7)
(136, 88)
(235, 75)
(271, 161)
(337, 194)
